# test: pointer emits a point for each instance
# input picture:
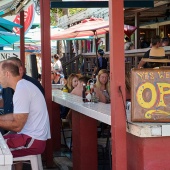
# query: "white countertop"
(99, 111)
(102, 112)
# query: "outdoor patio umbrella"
(7, 38)
(129, 30)
(8, 26)
(88, 27)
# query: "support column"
(22, 41)
(84, 136)
(117, 77)
(56, 127)
(46, 70)
(137, 32)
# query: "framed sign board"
(150, 95)
(5, 54)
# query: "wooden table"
(6, 158)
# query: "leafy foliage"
(58, 12)
(73, 11)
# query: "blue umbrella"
(7, 38)
(8, 26)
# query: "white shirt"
(29, 99)
(57, 65)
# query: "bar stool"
(35, 161)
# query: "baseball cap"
(100, 51)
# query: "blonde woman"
(102, 86)
(72, 81)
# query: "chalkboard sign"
(150, 95)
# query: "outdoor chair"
(35, 161)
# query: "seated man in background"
(79, 88)
(143, 43)
(56, 78)
(129, 46)
(78, 91)
(7, 93)
(29, 117)
(156, 52)
(165, 41)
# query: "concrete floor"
(62, 161)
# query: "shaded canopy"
(7, 38)
(89, 27)
(8, 26)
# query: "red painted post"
(84, 137)
(46, 69)
(56, 126)
(22, 38)
(117, 76)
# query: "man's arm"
(100, 95)
(141, 63)
(13, 122)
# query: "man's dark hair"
(16, 60)
(127, 39)
(56, 56)
(84, 79)
(11, 67)
(142, 38)
(155, 39)
(100, 51)
(165, 39)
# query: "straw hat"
(157, 55)
(156, 60)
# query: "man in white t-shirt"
(30, 118)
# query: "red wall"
(148, 153)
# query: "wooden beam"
(46, 69)
(22, 39)
(80, 4)
(102, 4)
(117, 80)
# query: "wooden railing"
(84, 63)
